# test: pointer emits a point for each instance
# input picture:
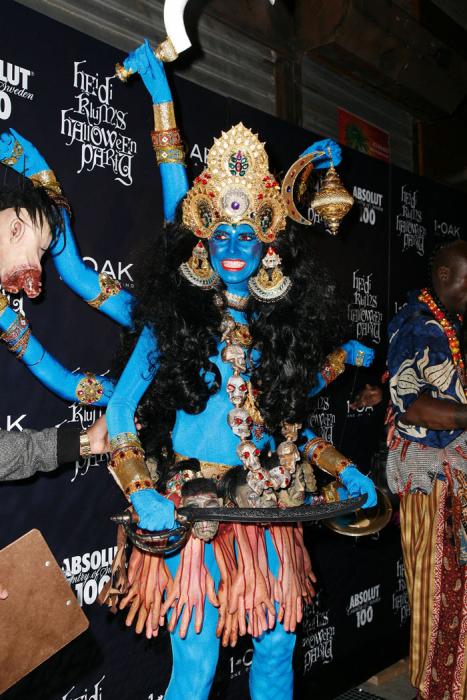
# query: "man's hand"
(368, 396)
(358, 354)
(99, 437)
(20, 154)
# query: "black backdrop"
(359, 622)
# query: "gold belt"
(209, 470)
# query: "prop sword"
(167, 541)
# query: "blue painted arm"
(85, 388)
(356, 354)
(151, 69)
(82, 279)
(23, 157)
(155, 512)
(354, 483)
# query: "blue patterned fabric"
(419, 361)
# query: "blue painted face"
(235, 255)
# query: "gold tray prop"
(362, 522)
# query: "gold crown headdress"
(236, 188)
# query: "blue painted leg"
(195, 657)
(271, 672)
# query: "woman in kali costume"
(230, 344)
(231, 338)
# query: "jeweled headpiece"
(236, 188)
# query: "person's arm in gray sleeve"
(25, 453)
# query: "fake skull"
(235, 355)
(246, 497)
(204, 530)
(249, 454)
(22, 245)
(237, 390)
(241, 422)
(288, 455)
(280, 478)
(294, 495)
(227, 326)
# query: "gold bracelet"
(110, 287)
(89, 389)
(47, 180)
(130, 471)
(330, 460)
(166, 51)
(84, 444)
(317, 443)
(170, 155)
(3, 302)
(335, 365)
(123, 440)
(164, 116)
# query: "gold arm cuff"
(47, 179)
(164, 116)
(166, 51)
(131, 473)
(326, 457)
(3, 303)
(89, 389)
(110, 287)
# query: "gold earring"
(270, 284)
(198, 270)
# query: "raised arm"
(127, 464)
(166, 139)
(85, 388)
(100, 291)
(351, 353)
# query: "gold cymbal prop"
(366, 521)
(332, 202)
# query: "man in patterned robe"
(427, 467)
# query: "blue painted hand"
(358, 484)
(144, 61)
(20, 154)
(324, 161)
(155, 512)
(357, 354)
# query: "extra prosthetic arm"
(351, 353)
(127, 464)
(100, 291)
(87, 389)
(166, 138)
(325, 456)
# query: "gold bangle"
(164, 116)
(3, 303)
(334, 366)
(110, 287)
(89, 389)
(330, 460)
(124, 440)
(170, 155)
(130, 471)
(166, 51)
(315, 443)
(84, 444)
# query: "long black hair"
(293, 335)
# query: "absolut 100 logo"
(88, 573)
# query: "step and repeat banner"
(57, 89)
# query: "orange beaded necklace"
(448, 330)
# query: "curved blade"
(174, 24)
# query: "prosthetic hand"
(357, 354)
(322, 162)
(144, 61)
(18, 153)
(155, 512)
(357, 484)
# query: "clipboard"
(41, 614)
